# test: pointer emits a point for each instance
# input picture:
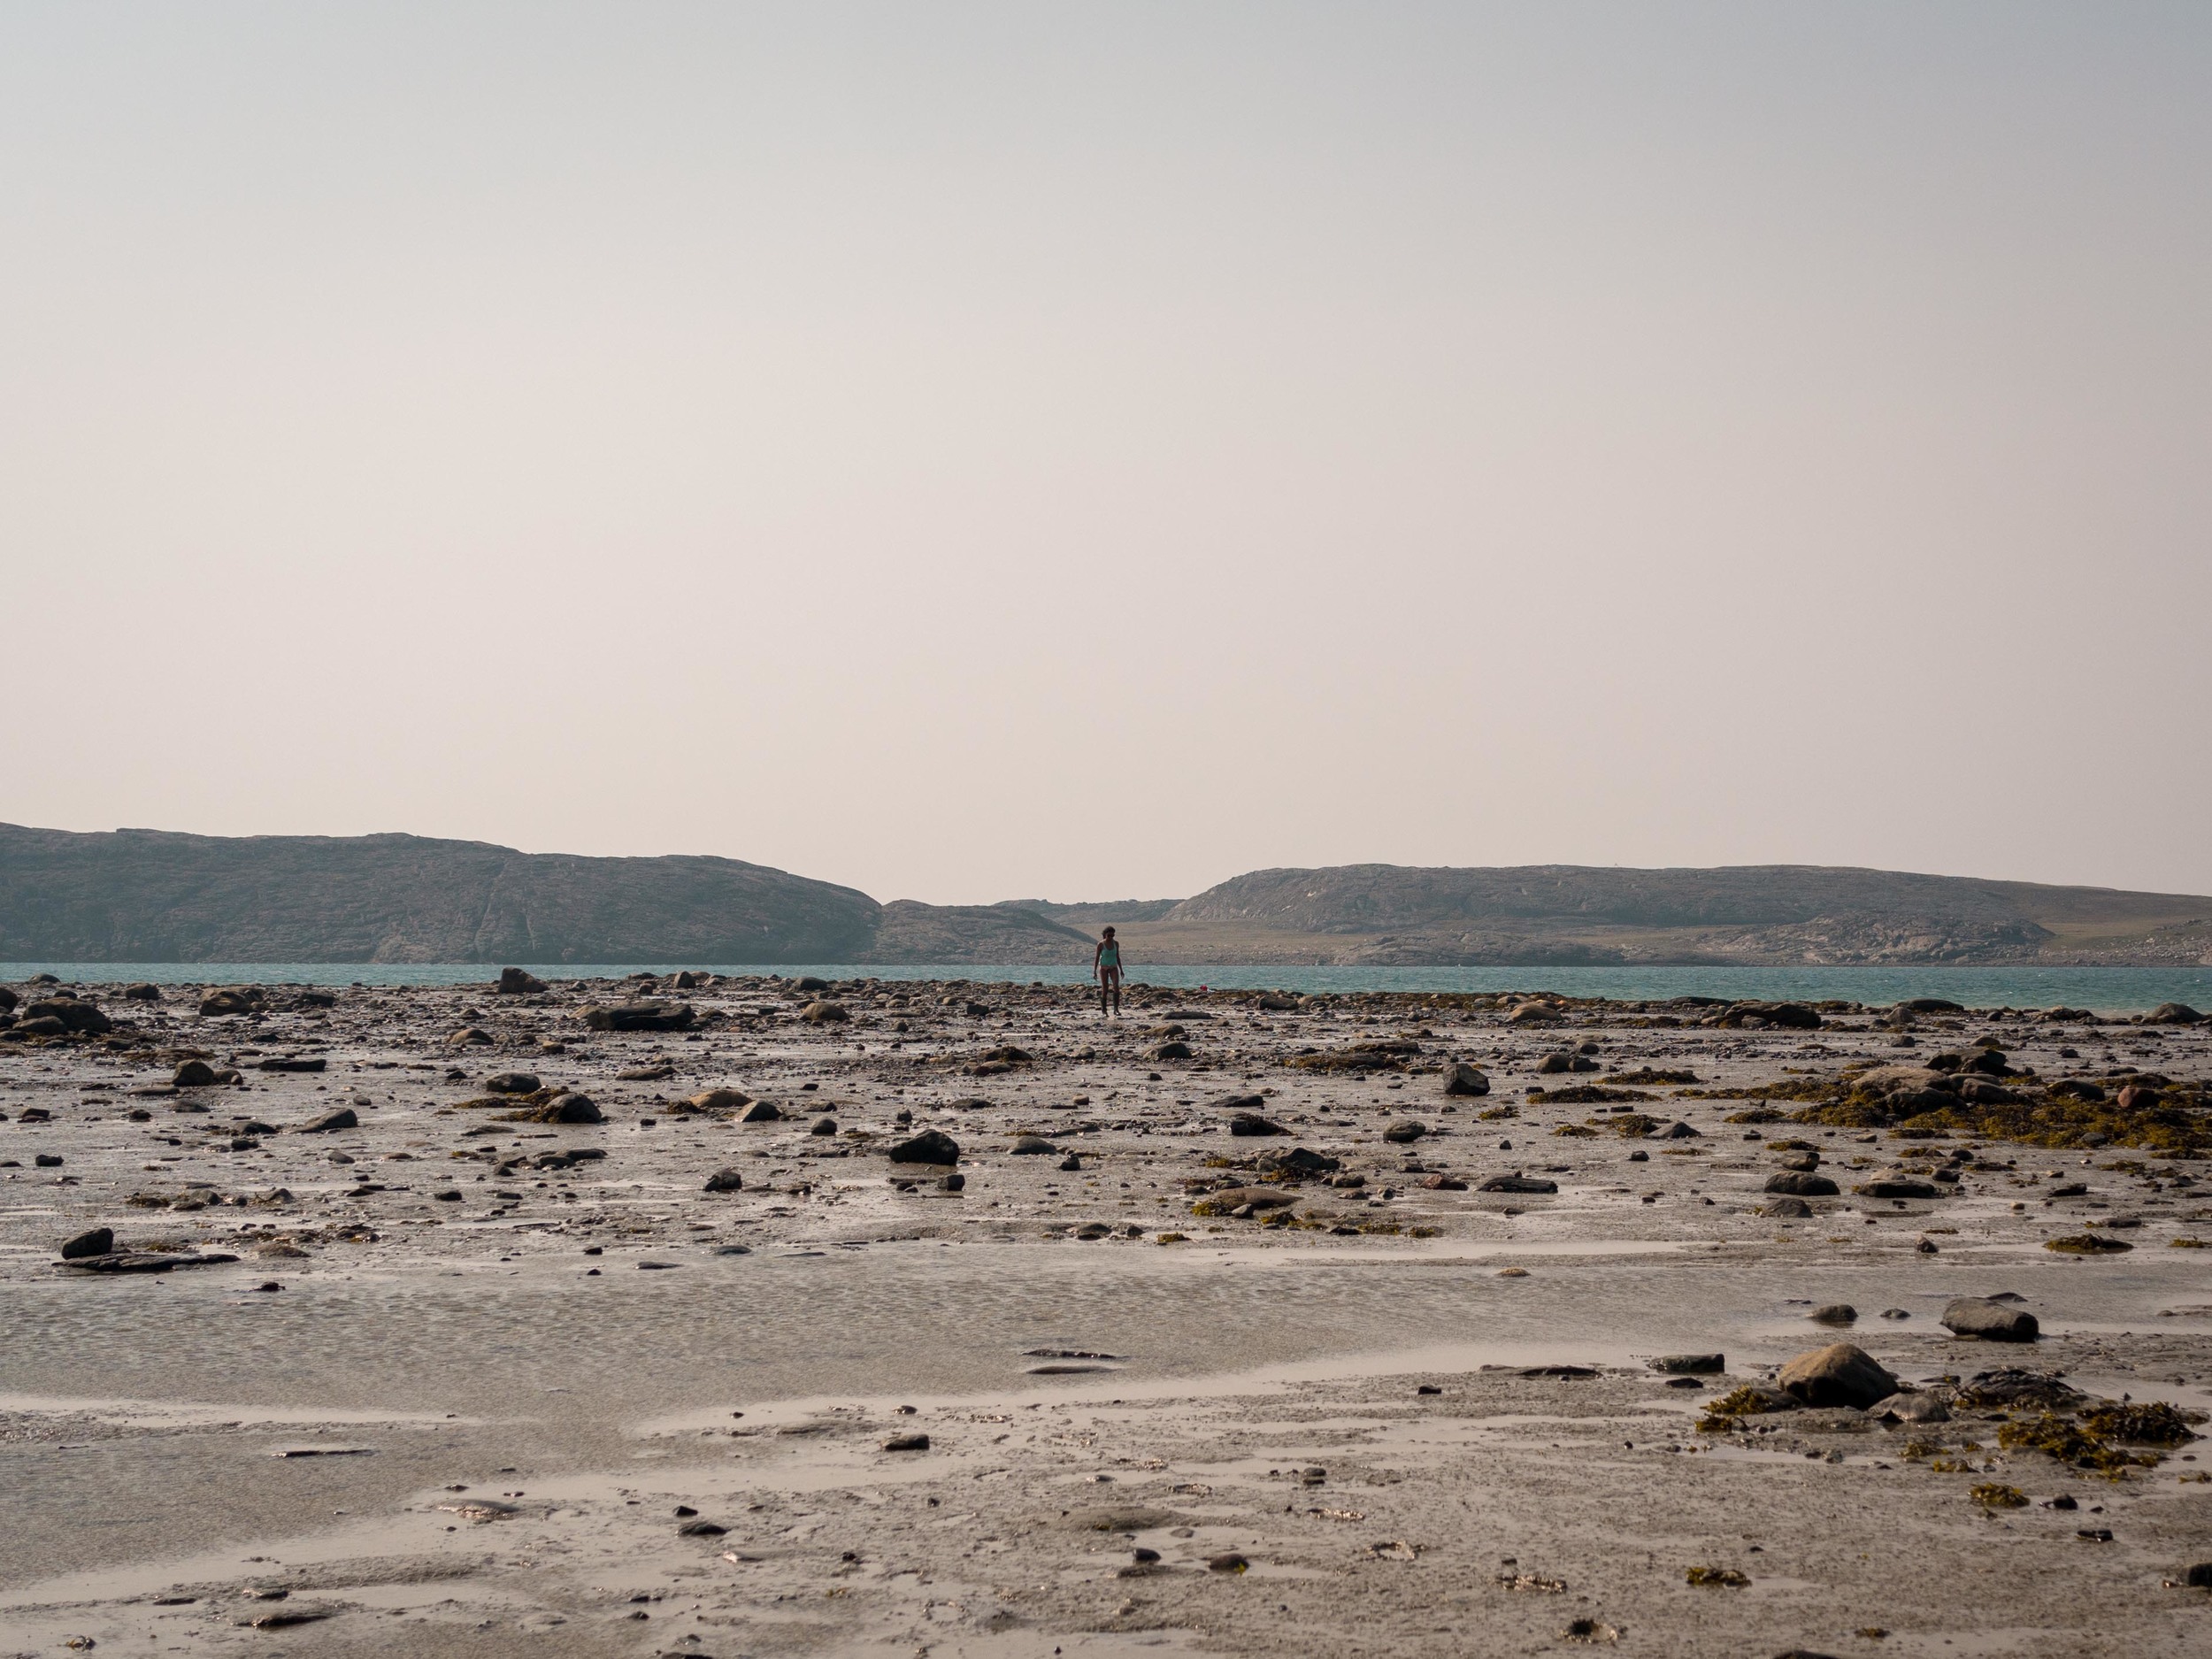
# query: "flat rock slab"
(144, 1261)
(1992, 1321)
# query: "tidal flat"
(722, 1317)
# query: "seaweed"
(1993, 1496)
(2073, 1444)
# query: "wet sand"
(1247, 1388)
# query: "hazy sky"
(974, 451)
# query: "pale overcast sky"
(978, 451)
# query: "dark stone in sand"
(824, 1013)
(1517, 1184)
(571, 1108)
(1993, 1321)
(1551, 1065)
(1461, 1079)
(1788, 1210)
(516, 982)
(468, 1036)
(701, 1529)
(47, 1161)
(140, 992)
(822, 1126)
(1404, 1133)
(954, 1183)
(1835, 1313)
(1238, 1102)
(761, 1112)
(932, 1146)
(2172, 1014)
(1253, 1124)
(1562, 1373)
(907, 1443)
(41, 1026)
(99, 1241)
(1802, 1184)
(1680, 1131)
(1898, 1189)
(1171, 1051)
(512, 1083)
(1444, 1184)
(1229, 1563)
(2199, 1576)
(344, 1118)
(1033, 1146)
(639, 1016)
(1837, 1375)
(228, 1003)
(8, 1000)
(1300, 1161)
(725, 1181)
(1071, 1163)
(74, 1014)
(293, 1063)
(145, 1261)
(1689, 1364)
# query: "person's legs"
(1113, 978)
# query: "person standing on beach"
(1106, 968)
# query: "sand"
(470, 1424)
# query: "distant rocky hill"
(1561, 914)
(147, 895)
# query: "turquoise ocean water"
(2105, 990)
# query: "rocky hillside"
(1559, 914)
(146, 895)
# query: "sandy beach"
(1235, 1333)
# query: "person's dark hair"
(1110, 932)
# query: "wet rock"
(718, 1099)
(761, 1112)
(825, 1014)
(1689, 1364)
(725, 1181)
(1071, 1163)
(1800, 1183)
(1913, 1408)
(1898, 1189)
(1299, 1161)
(193, 1074)
(469, 1036)
(639, 1016)
(1253, 1124)
(1788, 1210)
(907, 1443)
(822, 1126)
(954, 1183)
(569, 1108)
(932, 1146)
(701, 1529)
(74, 1014)
(518, 982)
(1991, 1321)
(1517, 1184)
(1171, 1051)
(146, 1261)
(1841, 1374)
(1032, 1146)
(1230, 1562)
(660, 1071)
(98, 1241)
(141, 992)
(1835, 1313)
(1553, 1064)
(1460, 1079)
(512, 1083)
(293, 1063)
(1405, 1132)
(2173, 1014)
(1680, 1130)
(344, 1118)
(229, 1003)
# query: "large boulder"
(232, 1002)
(761, 1112)
(1802, 1184)
(517, 982)
(2172, 1014)
(1841, 1374)
(8, 1000)
(638, 1016)
(1898, 1188)
(74, 1014)
(193, 1074)
(932, 1146)
(1253, 1124)
(1992, 1321)
(139, 991)
(719, 1100)
(512, 1083)
(344, 1118)
(825, 1014)
(725, 1181)
(99, 1241)
(1461, 1079)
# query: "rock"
(825, 1014)
(687, 980)
(1256, 1198)
(658, 1072)
(468, 1036)
(907, 1443)
(40, 1026)
(193, 1074)
(1788, 1210)
(1837, 1375)
(1534, 1014)
(808, 982)
(512, 1083)
(1071, 1163)
(1915, 1408)
(2199, 1576)
(517, 982)
(293, 1063)
(1898, 1189)
(725, 1181)
(2172, 1014)
(822, 1126)
(140, 992)
(954, 1183)
(1405, 1132)
(47, 1161)
(1992, 1321)
(74, 1014)
(701, 1529)
(932, 1146)
(8, 1000)
(1300, 1161)
(1171, 1051)
(1253, 1124)
(1231, 1561)
(761, 1112)
(147, 1261)
(1835, 1313)
(1689, 1364)
(1551, 1065)
(718, 1099)
(1517, 1184)
(343, 1118)
(569, 1108)
(1032, 1146)
(1802, 1184)
(99, 1241)
(638, 1016)
(229, 1003)
(1461, 1079)
(1680, 1131)
(1444, 1184)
